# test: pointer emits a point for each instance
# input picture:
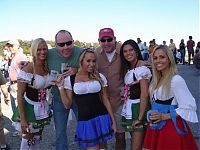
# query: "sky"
(130, 19)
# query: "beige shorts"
(118, 119)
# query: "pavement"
(188, 72)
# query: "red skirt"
(168, 138)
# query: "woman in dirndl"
(33, 111)
(136, 78)
(171, 106)
(96, 123)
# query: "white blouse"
(92, 86)
(39, 81)
(182, 98)
(141, 72)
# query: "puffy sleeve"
(103, 78)
(186, 102)
(142, 73)
(67, 83)
(24, 77)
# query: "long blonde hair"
(166, 79)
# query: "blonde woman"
(172, 105)
(96, 123)
(33, 111)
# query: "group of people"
(108, 90)
(179, 52)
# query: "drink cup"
(64, 67)
(53, 76)
(148, 118)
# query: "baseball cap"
(13, 42)
(106, 32)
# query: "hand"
(24, 126)
(7, 100)
(156, 117)
(69, 71)
(114, 127)
(137, 123)
(60, 80)
(23, 64)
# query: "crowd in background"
(124, 72)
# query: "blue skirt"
(94, 131)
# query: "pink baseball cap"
(106, 32)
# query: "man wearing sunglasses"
(108, 59)
(65, 52)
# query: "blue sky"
(147, 19)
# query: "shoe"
(6, 147)
(16, 133)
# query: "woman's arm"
(21, 86)
(144, 96)
(65, 94)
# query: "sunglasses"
(63, 44)
(108, 40)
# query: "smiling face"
(88, 63)
(108, 44)
(161, 61)
(129, 53)
(42, 51)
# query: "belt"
(13, 82)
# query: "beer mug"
(64, 67)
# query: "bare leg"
(103, 145)
(137, 140)
(120, 141)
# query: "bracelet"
(60, 87)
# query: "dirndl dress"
(37, 110)
(132, 91)
(173, 133)
(94, 124)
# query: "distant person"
(145, 51)
(150, 50)
(172, 47)
(66, 53)
(190, 48)
(33, 111)
(108, 60)
(17, 58)
(96, 123)
(182, 50)
(172, 106)
(5, 66)
(4, 89)
(136, 78)
(140, 45)
(154, 41)
(164, 42)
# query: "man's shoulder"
(98, 50)
(78, 50)
(52, 50)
